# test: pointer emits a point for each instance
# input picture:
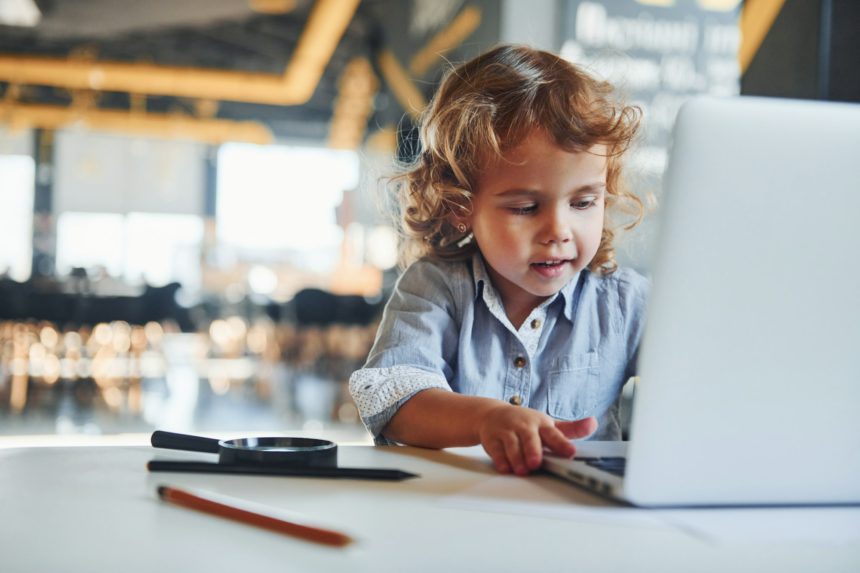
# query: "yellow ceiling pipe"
(273, 6)
(353, 106)
(757, 17)
(398, 79)
(167, 126)
(407, 94)
(452, 36)
(325, 27)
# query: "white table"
(95, 509)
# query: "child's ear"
(461, 218)
(462, 224)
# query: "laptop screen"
(749, 358)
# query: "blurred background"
(195, 232)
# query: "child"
(515, 302)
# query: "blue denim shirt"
(445, 327)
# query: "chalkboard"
(658, 53)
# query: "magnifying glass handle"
(173, 441)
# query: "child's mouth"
(549, 263)
(550, 269)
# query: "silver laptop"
(749, 389)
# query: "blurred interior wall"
(532, 22)
(16, 142)
(102, 173)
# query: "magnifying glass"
(280, 451)
(278, 456)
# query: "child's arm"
(513, 436)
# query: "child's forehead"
(535, 143)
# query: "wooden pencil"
(212, 507)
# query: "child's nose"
(557, 229)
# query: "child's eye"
(523, 209)
(583, 204)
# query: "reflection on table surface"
(116, 378)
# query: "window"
(278, 202)
(164, 248)
(140, 247)
(90, 240)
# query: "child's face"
(538, 217)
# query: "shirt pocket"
(573, 388)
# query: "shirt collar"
(484, 287)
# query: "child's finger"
(496, 451)
(514, 453)
(556, 442)
(577, 428)
(532, 449)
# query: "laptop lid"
(750, 379)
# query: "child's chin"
(555, 283)
(547, 290)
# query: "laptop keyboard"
(612, 465)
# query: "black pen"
(345, 473)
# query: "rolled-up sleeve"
(414, 348)
(379, 393)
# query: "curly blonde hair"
(488, 106)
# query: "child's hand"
(514, 437)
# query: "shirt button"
(516, 400)
(519, 361)
(535, 324)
